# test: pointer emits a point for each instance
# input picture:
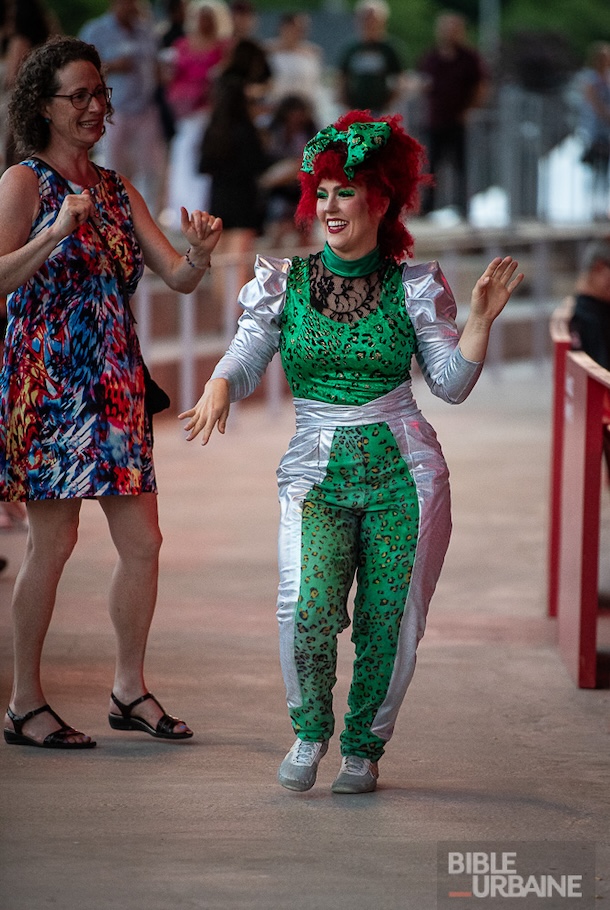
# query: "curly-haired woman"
(364, 488)
(74, 239)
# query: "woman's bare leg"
(134, 527)
(52, 534)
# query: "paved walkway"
(494, 744)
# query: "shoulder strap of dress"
(43, 164)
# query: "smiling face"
(67, 124)
(350, 227)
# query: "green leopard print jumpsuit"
(364, 492)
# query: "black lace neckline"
(343, 298)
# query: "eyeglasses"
(81, 100)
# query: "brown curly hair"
(395, 172)
(36, 81)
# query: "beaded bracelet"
(192, 264)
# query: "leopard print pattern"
(362, 520)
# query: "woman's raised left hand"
(492, 291)
(202, 232)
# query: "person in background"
(246, 57)
(296, 63)
(590, 321)
(370, 68)
(74, 240)
(364, 488)
(456, 81)
(127, 43)
(594, 93)
(193, 66)
(233, 155)
(173, 25)
(590, 318)
(244, 20)
(171, 28)
(291, 127)
(28, 24)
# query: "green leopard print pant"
(361, 520)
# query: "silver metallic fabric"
(258, 334)
(432, 310)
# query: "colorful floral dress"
(72, 418)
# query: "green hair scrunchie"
(360, 138)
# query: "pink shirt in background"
(193, 74)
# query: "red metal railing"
(581, 386)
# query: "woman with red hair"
(364, 488)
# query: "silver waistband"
(397, 403)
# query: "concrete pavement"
(494, 743)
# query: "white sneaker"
(357, 775)
(299, 769)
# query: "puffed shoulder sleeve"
(258, 329)
(432, 310)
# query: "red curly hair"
(395, 172)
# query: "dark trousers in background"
(447, 162)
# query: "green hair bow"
(360, 138)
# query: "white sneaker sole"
(354, 785)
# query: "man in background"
(455, 80)
(127, 43)
(370, 68)
(590, 322)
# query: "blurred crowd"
(209, 114)
(205, 113)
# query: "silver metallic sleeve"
(432, 310)
(257, 336)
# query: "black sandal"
(127, 721)
(56, 740)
